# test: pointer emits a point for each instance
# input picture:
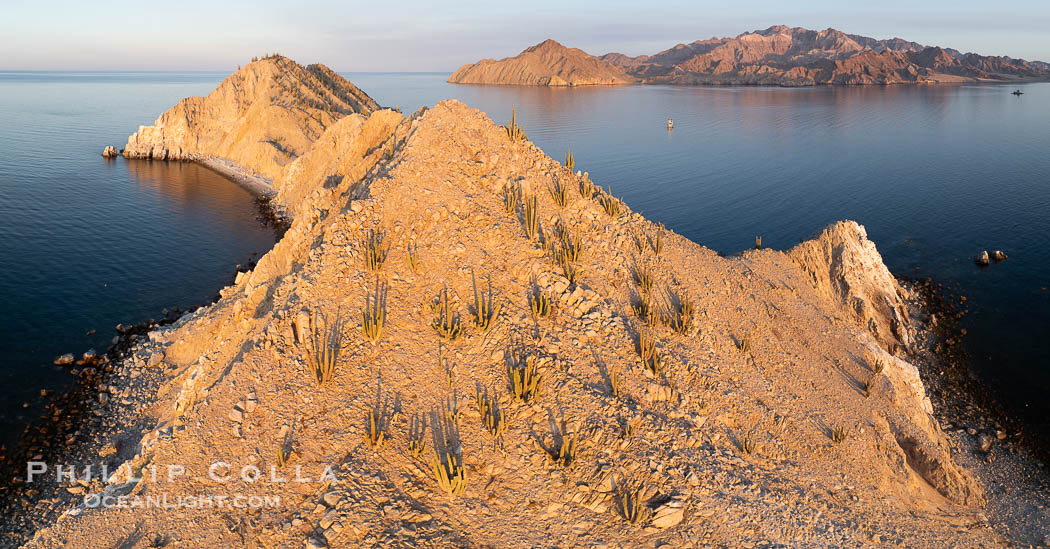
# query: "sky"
(417, 35)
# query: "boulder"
(999, 255)
(982, 259)
(65, 359)
(669, 514)
(109, 152)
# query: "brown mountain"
(545, 64)
(782, 56)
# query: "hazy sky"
(415, 35)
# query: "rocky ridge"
(260, 118)
(777, 56)
(785, 410)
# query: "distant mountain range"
(778, 56)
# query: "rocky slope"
(260, 118)
(784, 56)
(545, 64)
(784, 409)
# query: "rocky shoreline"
(989, 441)
(94, 422)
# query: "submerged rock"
(999, 255)
(65, 359)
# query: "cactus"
(514, 132)
(559, 192)
(645, 311)
(571, 245)
(744, 344)
(524, 380)
(565, 454)
(609, 203)
(614, 384)
(511, 197)
(680, 318)
(375, 429)
(447, 324)
(586, 187)
(643, 277)
(373, 316)
(417, 428)
(448, 467)
(485, 309)
(570, 162)
(758, 242)
(376, 250)
(413, 257)
(539, 303)
(530, 207)
(648, 352)
(491, 416)
(657, 242)
(284, 449)
(838, 434)
(322, 344)
(571, 271)
(629, 502)
(450, 474)
(747, 443)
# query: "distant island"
(777, 56)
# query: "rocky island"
(461, 342)
(777, 56)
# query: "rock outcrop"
(846, 267)
(721, 437)
(261, 118)
(545, 64)
(777, 56)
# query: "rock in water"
(999, 255)
(65, 359)
(985, 442)
(982, 259)
(109, 152)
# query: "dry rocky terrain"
(777, 56)
(683, 398)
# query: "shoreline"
(120, 368)
(259, 186)
(986, 440)
(975, 82)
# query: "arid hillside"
(780, 56)
(484, 348)
(545, 64)
(260, 118)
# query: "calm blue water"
(935, 173)
(87, 243)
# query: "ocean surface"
(87, 243)
(935, 173)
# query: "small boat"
(670, 124)
(1017, 92)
